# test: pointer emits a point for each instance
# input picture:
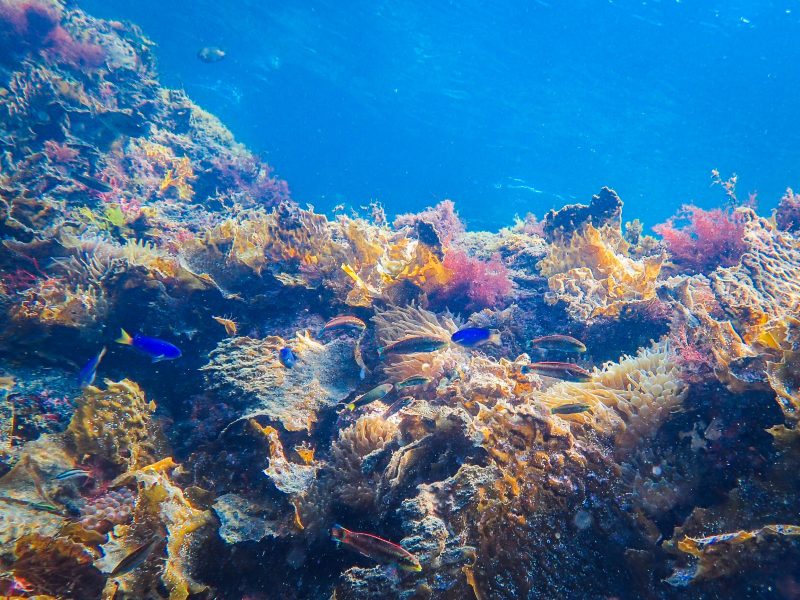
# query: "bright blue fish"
(476, 336)
(89, 372)
(287, 357)
(153, 347)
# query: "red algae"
(708, 238)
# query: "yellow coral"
(747, 310)
(115, 424)
(628, 399)
(52, 302)
(593, 273)
(178, 177)
(161, 508)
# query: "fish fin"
(158, 358)
(381, 351)
(495, 338)
(351, 406)
(124, 338)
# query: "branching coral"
(286, 239)
(469, 283)
(442, 217)
(787, 215)
(734, 309)
(34, 25)
(591, 272)
(51, 302)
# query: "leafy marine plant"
(702, 240)
(471, 284)
(34, 25)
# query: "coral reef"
(665, 468)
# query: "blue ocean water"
(505, 107)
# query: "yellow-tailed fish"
(376, 393)
(412, 345)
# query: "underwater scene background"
(267, 356)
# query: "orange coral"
(51, 302)
(593, 273)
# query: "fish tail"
(338, 533)
(381, 352)
(351, 406)
(124, 338)
(101, 354)
(495, 338)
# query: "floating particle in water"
(583, 520)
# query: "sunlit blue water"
(506, 107)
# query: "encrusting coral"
(251, 372)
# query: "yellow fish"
(353, 275)
(229, 324)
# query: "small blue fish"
(476, 336)
(88, 373)
(287, 357)
(157, 349)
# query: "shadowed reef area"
(660, 461)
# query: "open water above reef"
(210, 390)
(505, 107)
